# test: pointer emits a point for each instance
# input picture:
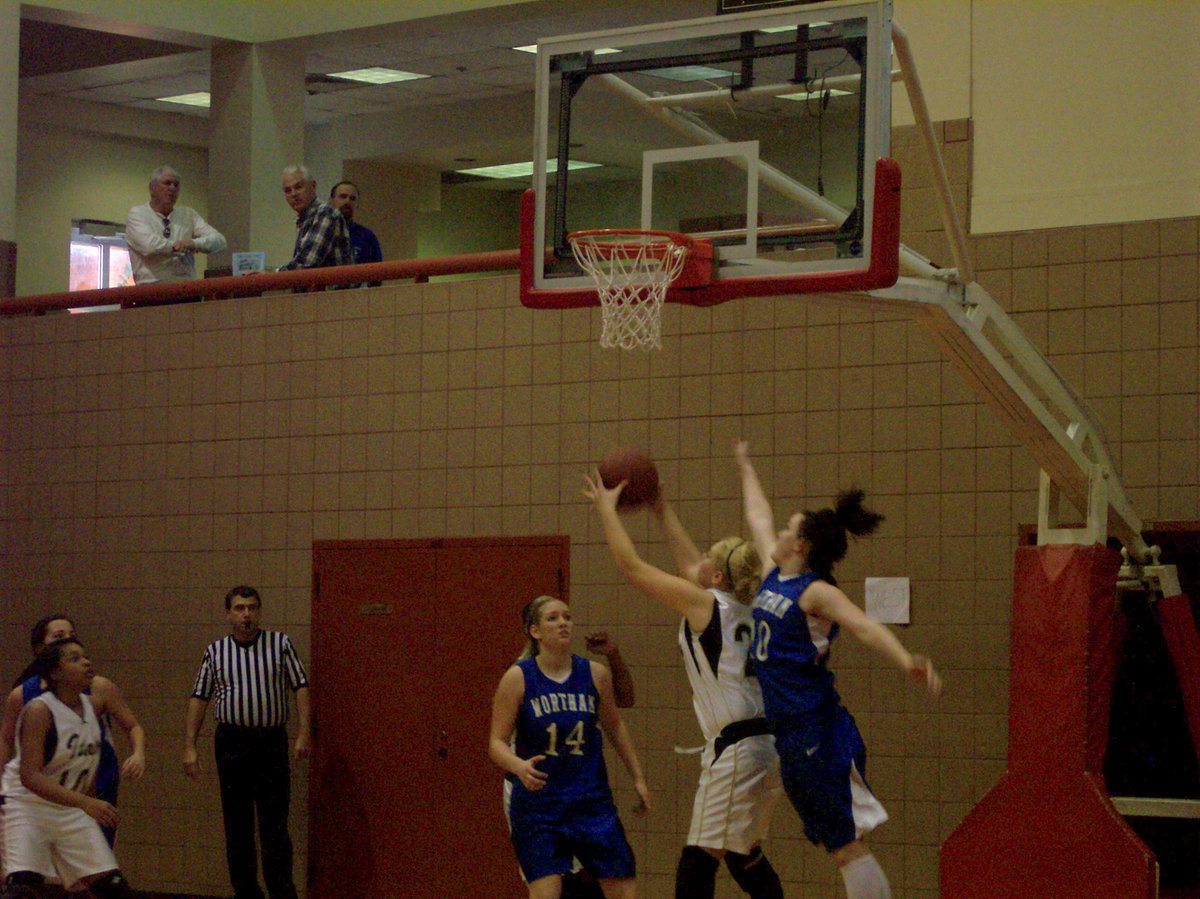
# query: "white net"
(632, 270)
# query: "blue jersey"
(561, 722)
(790, 648)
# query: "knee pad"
(112, 885)
(754, 874)
(696, 874)
(23, 885)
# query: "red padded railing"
(261, 282)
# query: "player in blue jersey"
(557, 704)
(797, 614)
(105, 696)
(739, 781)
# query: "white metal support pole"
(916, 99)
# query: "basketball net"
(632, 271)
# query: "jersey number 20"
(762, 639)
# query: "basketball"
(635, 467)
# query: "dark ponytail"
(825, 531)
(851, 514)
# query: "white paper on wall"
(887, 599)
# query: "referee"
(249, 673)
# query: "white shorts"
(737, 794)
(56, 841)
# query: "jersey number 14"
(574, 739)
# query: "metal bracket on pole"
(1150, 577)
(1049, 511)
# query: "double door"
(409, 639)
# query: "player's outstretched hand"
(134, 766)
(602, 497)
(642, 806)
(531, 778)
(922, 669)
(600, 643)
(104, 813)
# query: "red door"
(409, 640)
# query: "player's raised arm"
(759, 517)
(829, 602)
(602, 644)
(676, 593)
(683, 549)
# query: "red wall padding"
(1047, 830)
(1183, 643)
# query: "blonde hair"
(531, 615)
(739, 562)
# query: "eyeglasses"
(166, 226)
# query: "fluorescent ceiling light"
(199, 98)
(599, 51)
(690, 73)
(377, 75)
(813, 95)
(523, 169)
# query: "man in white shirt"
(164, 237)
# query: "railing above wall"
(262, 282)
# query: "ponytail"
(531, 615)
(825, 531)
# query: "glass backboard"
(758, 132)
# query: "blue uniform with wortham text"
(573, 815)
(822, 756)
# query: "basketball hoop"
(632, 270)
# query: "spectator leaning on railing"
(322, 236)
(164, 237)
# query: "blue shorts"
(822, 759)
(548, 836)
(108, 778)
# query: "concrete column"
(10, 34)
(257, 127)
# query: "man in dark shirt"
(322, 237)
(363, 242)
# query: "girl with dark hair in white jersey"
(797, 614)
(739, 781)
(51, 820)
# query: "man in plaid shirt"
(322, 237)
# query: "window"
(99, 257)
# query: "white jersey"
(722, 691)
(72, 749)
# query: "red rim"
(673, 237)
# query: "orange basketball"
(635, 468)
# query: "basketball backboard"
(759, 132)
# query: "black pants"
(253, 768)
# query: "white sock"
(865, 879)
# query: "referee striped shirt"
(249, 682)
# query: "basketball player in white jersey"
(739, 781)
(51, 823)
